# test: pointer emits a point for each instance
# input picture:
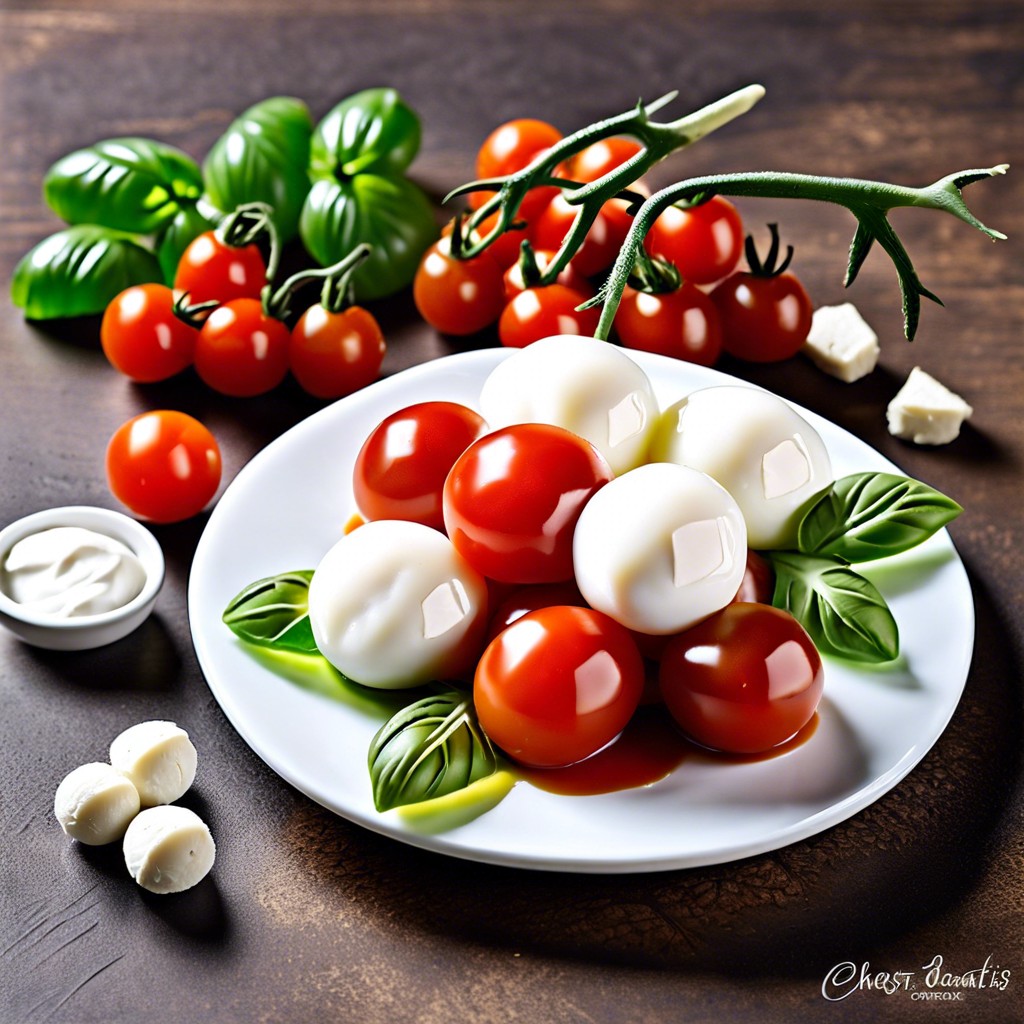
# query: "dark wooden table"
(309, 918)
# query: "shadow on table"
(907, 858)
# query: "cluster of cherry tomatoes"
(761, 314)
(238, 346)
(555, 680)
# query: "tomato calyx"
(654, 275)
(770, 265)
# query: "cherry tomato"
(512, 500)
(744, 680)
(764, 318)
(557, 685)
(458, 296)
(569, 276)
(509, 148)
(143, 338)
(241, 351)
(164, 465)
(601, 157)
(522, 600)
(758, 584)
(537, 313)
(683, 324)
(704, 242)
(400, 470)
(334, 354)
(209, 269)
(599, 248)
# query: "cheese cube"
(925, 411)
(841, 343)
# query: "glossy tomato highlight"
(512, 500)
(557, 685)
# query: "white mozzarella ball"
(584, 385)
(168, 849)
(393, 605)
(660, 548)
(767, 456)
(95, 803)
(159, 758)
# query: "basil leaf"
(372, 132)
(132, 185)
(188, 223)
(77, 271)
(872, 515)
(274, 612)
(391, 214)
(432, 747)
(263, 157)
(844, 613)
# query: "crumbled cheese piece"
(841, 343)
(925, 411)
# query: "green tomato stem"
(335, 292)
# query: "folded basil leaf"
(274, 612)
(135, 185)
(872, 515)
(433, 747)
(372, 132)
(77, 271)
(391, 214)
(188, 223)
(263, 157)
(844, 613)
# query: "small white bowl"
(80, 633)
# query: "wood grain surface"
(309, 918)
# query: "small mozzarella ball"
(158, 757)
(168, 849)
(393, 605)
(767, 456)
(95, 803)
(660, 548)
(584, 385)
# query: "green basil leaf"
(372, 132)
(134, 185)
(872, 515)
(391, 214)
(274, 612)
(77, 271)
(263, 157)
(432, 747)
(188, 223)
(844, 613)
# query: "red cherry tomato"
(599, 248)
(334, 354)
(683, 324)
(569, 276)
(458, 296)
(537, 313)
(241, 351)
(558, 685)
(744, 680)
(164, 465)
(704, 242)
(764, 319)
(509, 148)
(758, 583)
(400, 470)
(512, 500)
(143, 338)
(601, 157)
(209, 269)
(523, 600)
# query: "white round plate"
(289, 505)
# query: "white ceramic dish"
(86, 631)
(288, 506)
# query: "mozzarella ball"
(168, 849)
(393, 605)
(158, 757)
(95, 803)
(660, 548)
(767, 456)
(584, 385)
